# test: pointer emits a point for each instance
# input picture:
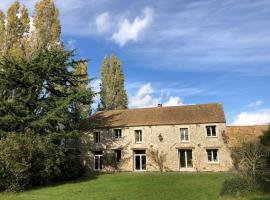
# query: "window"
(186, 158)
(212, 155)
(118, 155)
(98, 160)
(211, 131)
(97, 137)
(138, 136)
(139, 160)
(184, 134)
(117, 133)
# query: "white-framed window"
(97, 137)
(117, 133)
(118, 155)
(98, 160)
(211, 131)
(184, 137)
(212, 155)
(138, 136)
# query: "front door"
(139, 160)
(98, 160)
(185, 158)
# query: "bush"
(237, 186)
(30, 159)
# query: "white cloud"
(95, 85)
(253, 118)
(130, 31)
(174, 101)
(255, 104)
(102, 22)
(145, 98)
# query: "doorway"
(98, 160)
(185, 158)
(139, 160)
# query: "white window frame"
(116, 134)
(99, 156)
(134, 162)
(186, 134)
(140, 137)
(212, 156)
(186, 160)
(97, 141)
(211, 131)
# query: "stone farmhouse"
(190, 138)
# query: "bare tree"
(159, 158)
(249, 160)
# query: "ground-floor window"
(139, 160)
(98, 160)
(212, 155)
(118, 155)
(185, 158)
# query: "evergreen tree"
(38, 104)
(112, 92)
(47, 25)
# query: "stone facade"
(166, 139)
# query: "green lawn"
(131, 186)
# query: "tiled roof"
(243, 134)
(171, 115)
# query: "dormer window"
(211, 131)
(117, 133)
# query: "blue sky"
(178, 52)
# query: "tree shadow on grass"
(267, 197)
(85, 178)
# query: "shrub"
(30, 159)
(236, 186)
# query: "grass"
(135, 186)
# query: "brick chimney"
(159, 105)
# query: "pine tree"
(47, 25)
(112, 92)
(40, 106)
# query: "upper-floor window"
(211, 131)
(184, 134)
(117, 133)
(97, 137)
(212, 155)
(138, 136)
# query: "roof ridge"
(185, 105)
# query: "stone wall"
(167, 140)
